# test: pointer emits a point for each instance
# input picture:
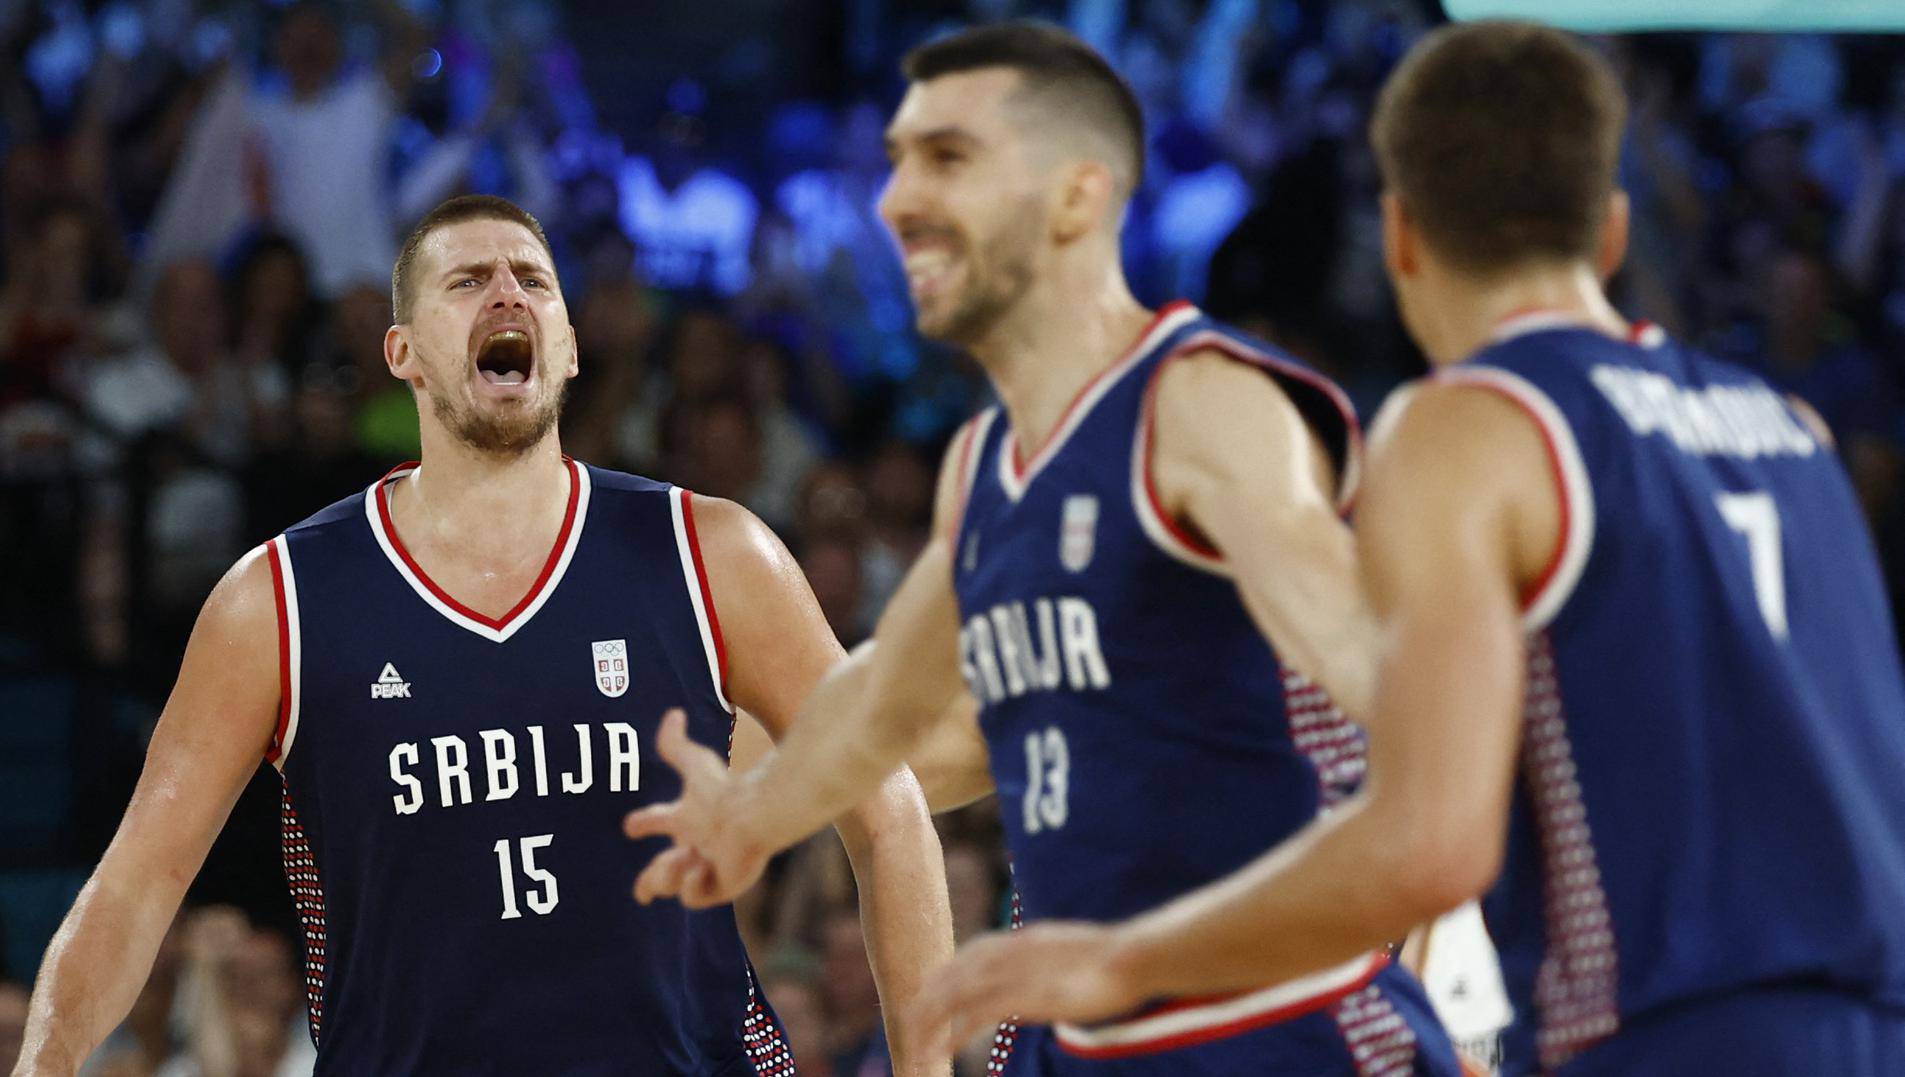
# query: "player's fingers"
(662, 877)
(672, 741)
(698, 886)
(658, 819)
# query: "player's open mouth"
(929, 269)
(505, 357)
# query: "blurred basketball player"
(1131, 560)
(458, 673)
(1642, 680)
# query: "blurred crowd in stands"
(199, 208)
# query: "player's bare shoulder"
(231, 669)
(736, 545)
(1217, 419)
(236, 640)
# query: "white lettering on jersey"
(1746, 421)
(976, 641)
(625, 764)
(389, 684)
(411, 798)
(453, 762)
(499, 760)
(501, 770)
(1084, 660)
(1009, 653)
(585, 774)
(542, 765)
(1001, 661)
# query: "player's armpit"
(1235, 459)
(952, 763)
(209, 741)
(777, 641)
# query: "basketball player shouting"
(459, 673)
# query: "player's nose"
(506, 291)
(899, 199)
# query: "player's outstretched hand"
(1048, 972)
(713, 859)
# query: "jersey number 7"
(1756, 517)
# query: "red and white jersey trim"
(284, 588)
(1642, 333)
(700, 595)
(1015, 477)
(972, 436)
(1193, 1021)
(1551, 592)
(494, 629)
(1158, 525)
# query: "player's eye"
(533, 282)
(466, 281)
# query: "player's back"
(1711, 798)
(454, 786)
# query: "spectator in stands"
(848, 995)
(691, 221)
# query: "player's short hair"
(464, 207)
(1501, 140)
(1062, 77)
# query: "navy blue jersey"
(1145, 739)
(454, 787)
(1712, 788)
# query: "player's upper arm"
(1459, 472)
(778, 642)
(1459, 515)
(213, 733)
(1235, 460)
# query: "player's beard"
(997, 277)
(500, 431)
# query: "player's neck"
(1055, 341)
(1472, 312)
(515, 503)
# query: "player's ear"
(1085, 198)
(398, 355)
(1613, 236)
(1401, 244)
(575, 364)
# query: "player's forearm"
(1424, 835)
(854, 730)
(94, 969)
(1343, 886)
(903, 906)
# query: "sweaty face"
(489, 335)
(966, 202)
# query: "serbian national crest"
(1077, 531)
(611, 666)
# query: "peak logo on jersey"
(1078, 531)
(389, 684)
(610, 657)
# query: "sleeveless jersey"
(1710, 796)
(1145, 739)
(453, 793)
